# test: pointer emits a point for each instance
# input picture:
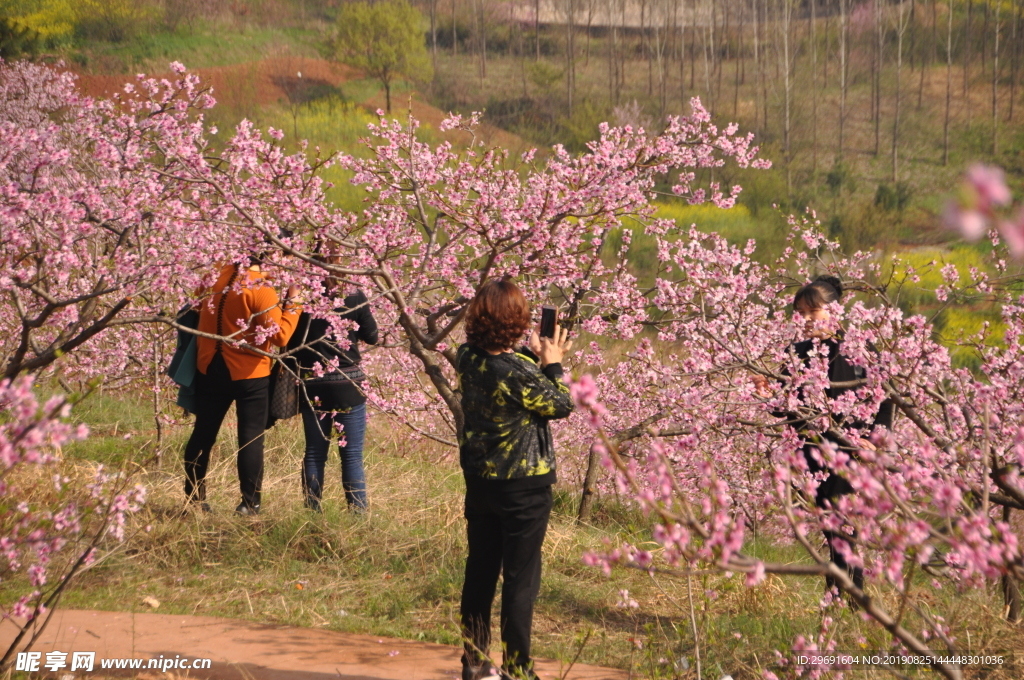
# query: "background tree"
(32, 25)
(385, 40)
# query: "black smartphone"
(547, 321)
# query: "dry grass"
(398, 570)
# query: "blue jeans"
(319, 427)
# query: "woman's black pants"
(215, 391)
(828, 494)
(506, 529)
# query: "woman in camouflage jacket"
(508, 461)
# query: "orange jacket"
(258, 302)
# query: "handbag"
(283, 395)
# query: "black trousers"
(506, 530)
(828, 494)
(215, 391)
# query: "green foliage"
(891, 198)
(543, 74)
(581, 126)
(957, 321)
(385, 40)
(28, 26)
(112, 20)
(863, 228)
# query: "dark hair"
(819, 292)
(497, 317)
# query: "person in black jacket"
(508, 460)
(810, 302)
(334, 401)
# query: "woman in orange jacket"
(230, 372)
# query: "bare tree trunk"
(721, 58)
(590, 24)
(693, 48)
(984, 35)
(739, 65)
(455, 34)
(682, 54)
(707, 67)
(879, 36)
(828, 45)
(967, 64)
(764, 75)
(1011, 591)
(570, 50)
(483, 40)
(901, 28)
(843, 49)
(995, 84)
(612, 63)
(924, 65)
(589, 485)
(949, 81)
(787, 15)
(536, 26)
(757, 62)
(433, 32)
(814, 87)
(645, 44)
(1015, 47)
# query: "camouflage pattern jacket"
(507, 401)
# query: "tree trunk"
(967, 63)
(949, 81)
(901, 28)
(693, 47)
(570, 24)
(787, 14)
(722, 54)
(995, 84)
(455, 33)
(924, 65)
(879, 36)
(433, 32)
(536, 25)
(1015, 49)
(814, 87)
(589, 485)
(843, 89)
(483, 40)
(764, 75)
(682, 54)
(1011, 591)
(738, 65)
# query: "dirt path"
(241, 650)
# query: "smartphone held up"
(547, 321)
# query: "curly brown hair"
(497, 317)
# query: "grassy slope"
(398, 571)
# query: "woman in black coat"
(334, 401)
(811, 302)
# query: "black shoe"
(519, 673)
(193, 506)
(246, 509)
(481, 672)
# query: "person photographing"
(508, 460)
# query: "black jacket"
(839, 370)
(507, 401)
(340, 392)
